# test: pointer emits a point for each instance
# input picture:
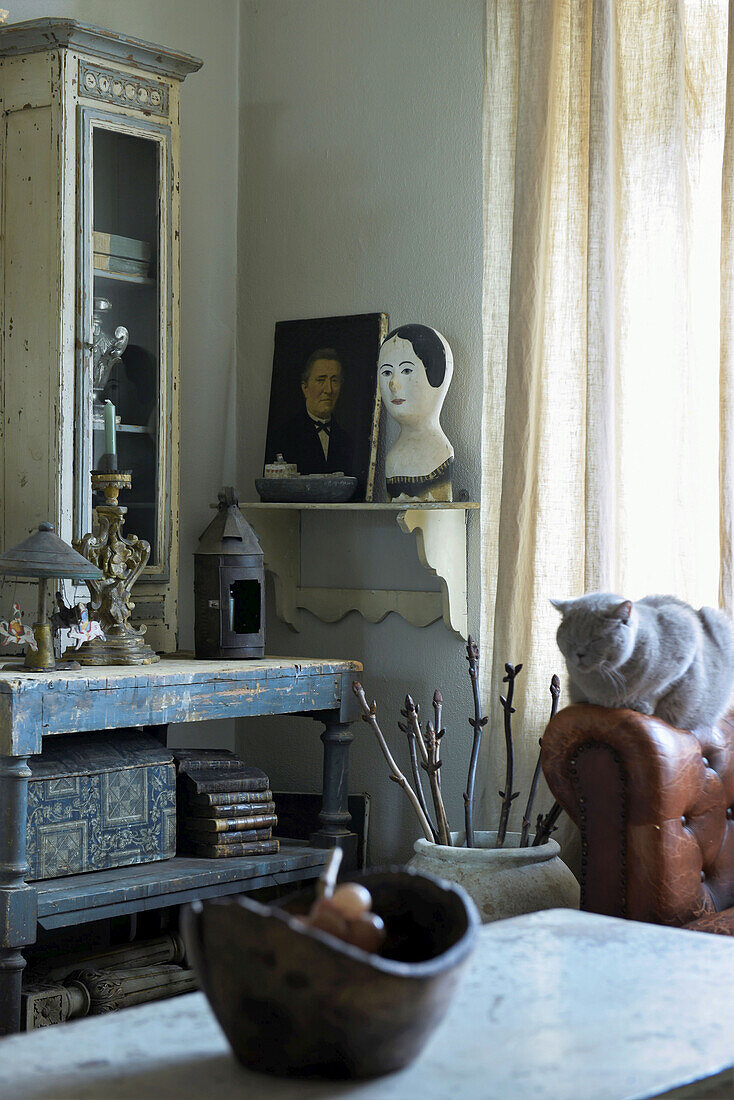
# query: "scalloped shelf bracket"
(440, 535)
(441, 545)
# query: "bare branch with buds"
(369, 713)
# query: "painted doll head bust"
(414, 371)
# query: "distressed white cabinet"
(89, 207)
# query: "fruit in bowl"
(296, 1000)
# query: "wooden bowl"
(295, 1001)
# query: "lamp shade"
(44, 554)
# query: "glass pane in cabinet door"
(126, 317)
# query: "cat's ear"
(562, 605)
(623, 611)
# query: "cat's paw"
(641, 706)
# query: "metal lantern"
(45, 555)
(229, 587)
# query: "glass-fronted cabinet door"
(125, 353)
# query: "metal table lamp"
(44, 555)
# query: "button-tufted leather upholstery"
(655, 806)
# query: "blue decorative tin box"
(100, 800)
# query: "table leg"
(335, 816)
(17, 899)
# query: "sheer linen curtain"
(608, 457)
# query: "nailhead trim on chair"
(583, 821)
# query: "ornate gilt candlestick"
(121, 560)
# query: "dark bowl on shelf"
(295, 1001)
(305, 490)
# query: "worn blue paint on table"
(34, 705)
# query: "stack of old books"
(224, 806)
(121, 255)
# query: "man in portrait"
(313, 438)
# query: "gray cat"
(657, 656)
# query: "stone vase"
(503, 882)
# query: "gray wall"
(360, 190)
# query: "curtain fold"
(726, 380)
(604, 390)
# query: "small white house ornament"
(414, 372)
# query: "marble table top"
(558, 1005)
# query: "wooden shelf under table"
(99, 894)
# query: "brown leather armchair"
(655, 807)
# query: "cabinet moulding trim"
(39, 35)
(123, 90)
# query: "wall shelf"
(440, 534)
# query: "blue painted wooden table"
(34, 705)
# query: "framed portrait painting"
(324, 399)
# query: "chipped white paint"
(36, 377)
(46, 312)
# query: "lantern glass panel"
(244, 606)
